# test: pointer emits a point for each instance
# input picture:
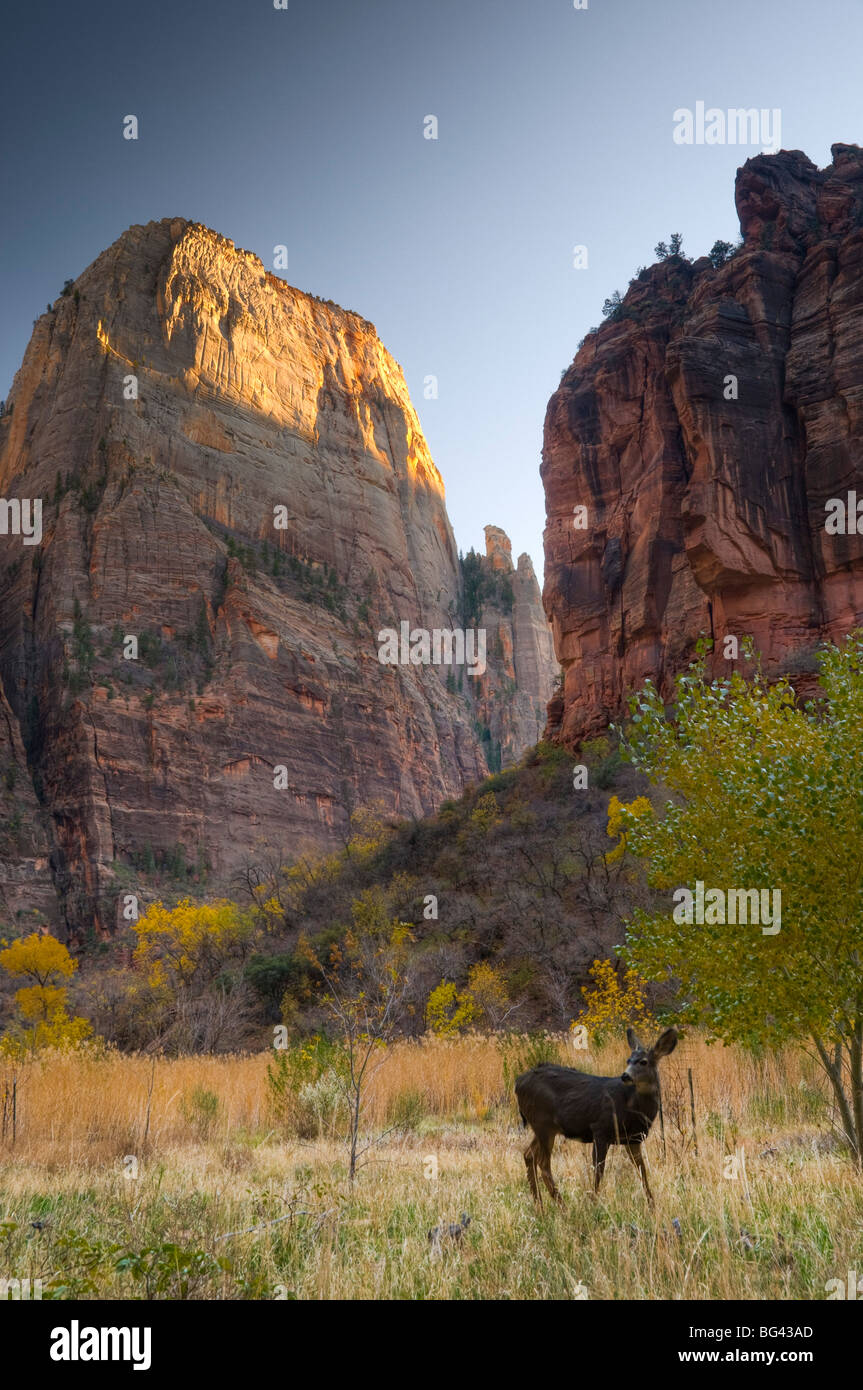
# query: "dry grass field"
(132, 1178)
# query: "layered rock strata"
(705, 430)
(232, 476)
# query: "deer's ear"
(665, 1043)
(632, 1040)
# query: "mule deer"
(598, 1110)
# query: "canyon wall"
(234, 479)
(511, 698)
(704, 427)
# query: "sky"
(304, 127)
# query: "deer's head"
(641, 1067)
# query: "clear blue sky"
(305, 127)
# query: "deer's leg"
(634, 1151)
(530, 1162)
(600, 1149)
(544, 1159)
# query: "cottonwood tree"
(768, 794)
(189, 945)
(190, 958)
(44, 962)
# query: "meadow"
(135, 1177)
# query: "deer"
(597, 1110)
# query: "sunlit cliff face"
(173, 410)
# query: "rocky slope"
(176, 396)
(705, 429)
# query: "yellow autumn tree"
(618, 811)
(191, 944)
(486, 813)
(487, 988)
(43, 1020)
(449, 1011)
(368, 832)
(613, 1002)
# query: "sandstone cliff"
(511, 698)
(704, 430)
(177, 395)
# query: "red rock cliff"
(704, 430)
(166, 405)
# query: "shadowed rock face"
(27, 892)
(706, 514)
(257, 646)
(512, 696)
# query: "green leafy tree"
(674, 247)
(719, 253)
(767, 794)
